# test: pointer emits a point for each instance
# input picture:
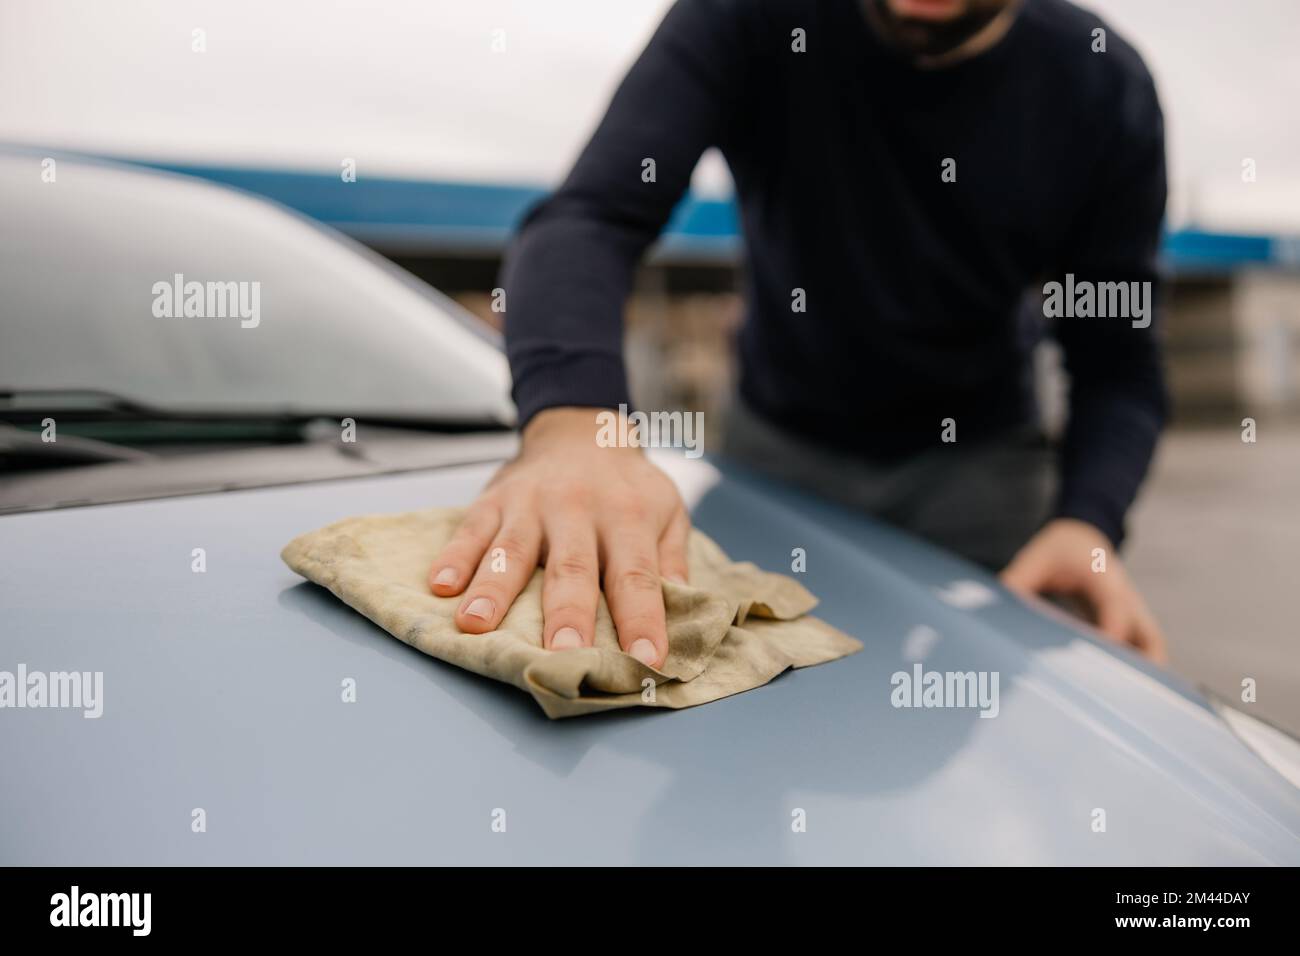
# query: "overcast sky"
(413, 87)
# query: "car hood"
(222, 693)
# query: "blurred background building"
(455, 116)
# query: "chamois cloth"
(733, 628)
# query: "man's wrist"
(1095, 521)
(565, 422)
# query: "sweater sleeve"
(1118, 402)
(570, 268)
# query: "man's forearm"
(567, 278)
(1108, 448)
(569, 272)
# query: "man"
(905, 170)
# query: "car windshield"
(173, 294)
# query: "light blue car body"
(223, 691)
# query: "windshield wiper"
(31, 405)
(18, 443)
(25, 402)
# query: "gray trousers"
(981, 499)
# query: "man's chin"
(927, 11)
(931, 28)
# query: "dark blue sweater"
(913, 286)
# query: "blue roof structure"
(432, 216)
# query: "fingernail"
(676, 579)
(566, 638)
(446, 576)
(644, 651)
(479, 607)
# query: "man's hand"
(1060, 560)
(588, 514)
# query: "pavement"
(1214, 544)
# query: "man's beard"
(927, 38)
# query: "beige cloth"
(733, 628)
